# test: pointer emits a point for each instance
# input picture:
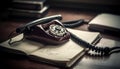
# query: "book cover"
(28, 13)
(61, 55)
(105, 22)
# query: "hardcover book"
(61, 55)
(105, 23)
(28, 4)
(28, 13)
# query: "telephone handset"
(51, 30)
(27, 26)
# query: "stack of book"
(28, 8)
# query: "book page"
(66, 51)
(87, 36)
(63, 52)
(25, 45)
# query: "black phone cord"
(104, 51)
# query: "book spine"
(28, 5)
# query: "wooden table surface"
(11, 61)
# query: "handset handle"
(38, 21)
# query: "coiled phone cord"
(104, 51)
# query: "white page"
(68, 50)
(26, 46)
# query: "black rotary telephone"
(51, 30)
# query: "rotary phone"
(50, 33)
(51, 30)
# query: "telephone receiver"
(48, 30)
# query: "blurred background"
(109, 6)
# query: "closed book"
(105, 22)
(28, 13)
(28, 4)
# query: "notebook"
(105, 23)
(64, 55)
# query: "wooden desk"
(11, 61)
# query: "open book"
(62, 55)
